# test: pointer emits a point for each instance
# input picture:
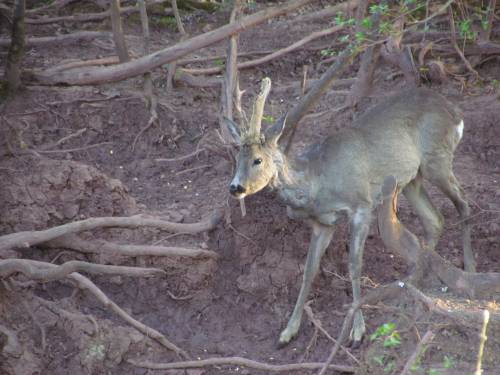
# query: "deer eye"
(257, 161)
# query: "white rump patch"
(460, 129)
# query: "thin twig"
(74, 149)
(238, 361)
(483, 338)
(65, 139)
(428, 337)
(180, 158)
(193, 169)
(455, 44)
(317, 323)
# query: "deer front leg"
(320, 238)
(360, 225)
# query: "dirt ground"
(237, 305)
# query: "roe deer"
(411, 136)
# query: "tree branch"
(130, 69)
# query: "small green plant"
(167, 21)
(465, 29)
(389, 335)
(386, 340)
(367, 23)
(447, 362)
(219, 62)
(379, 8)
(269, 119)
(340, 20)
(433, 371)
(328, 52)
(379, 359)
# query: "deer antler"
(258, 110)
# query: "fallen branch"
(271, 56)
(57, 4)
(90, 17)
(47, 271)
(181, 76)
(238, 361)
(296, 86)
(59, 39)
(26, 239)
(330, 11)
(97, 246)
(144, 64)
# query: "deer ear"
(274, 133)
(234, 129)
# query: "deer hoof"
(357, 332)
(286, 336)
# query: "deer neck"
(291, 181)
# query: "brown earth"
(234, 306)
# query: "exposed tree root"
(98, 246)
(86, 284)
(44, 271)
(10, 344)
(22, 240)
(238, 361)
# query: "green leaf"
(379, 359)
(447, 362)
(392, 341)
(433, 372)
(367, 23)
(339, 19)
(384, 330)
(360, 36)
(344, 38)
(269, 119)
(390, 366)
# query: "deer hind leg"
(393, 233)
(450, 186)
(360, 225)
(429, 216)
(320, 238)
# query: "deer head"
(259, 153)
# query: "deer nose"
(236, 189)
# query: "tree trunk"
(118, 36)
(16, 50)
